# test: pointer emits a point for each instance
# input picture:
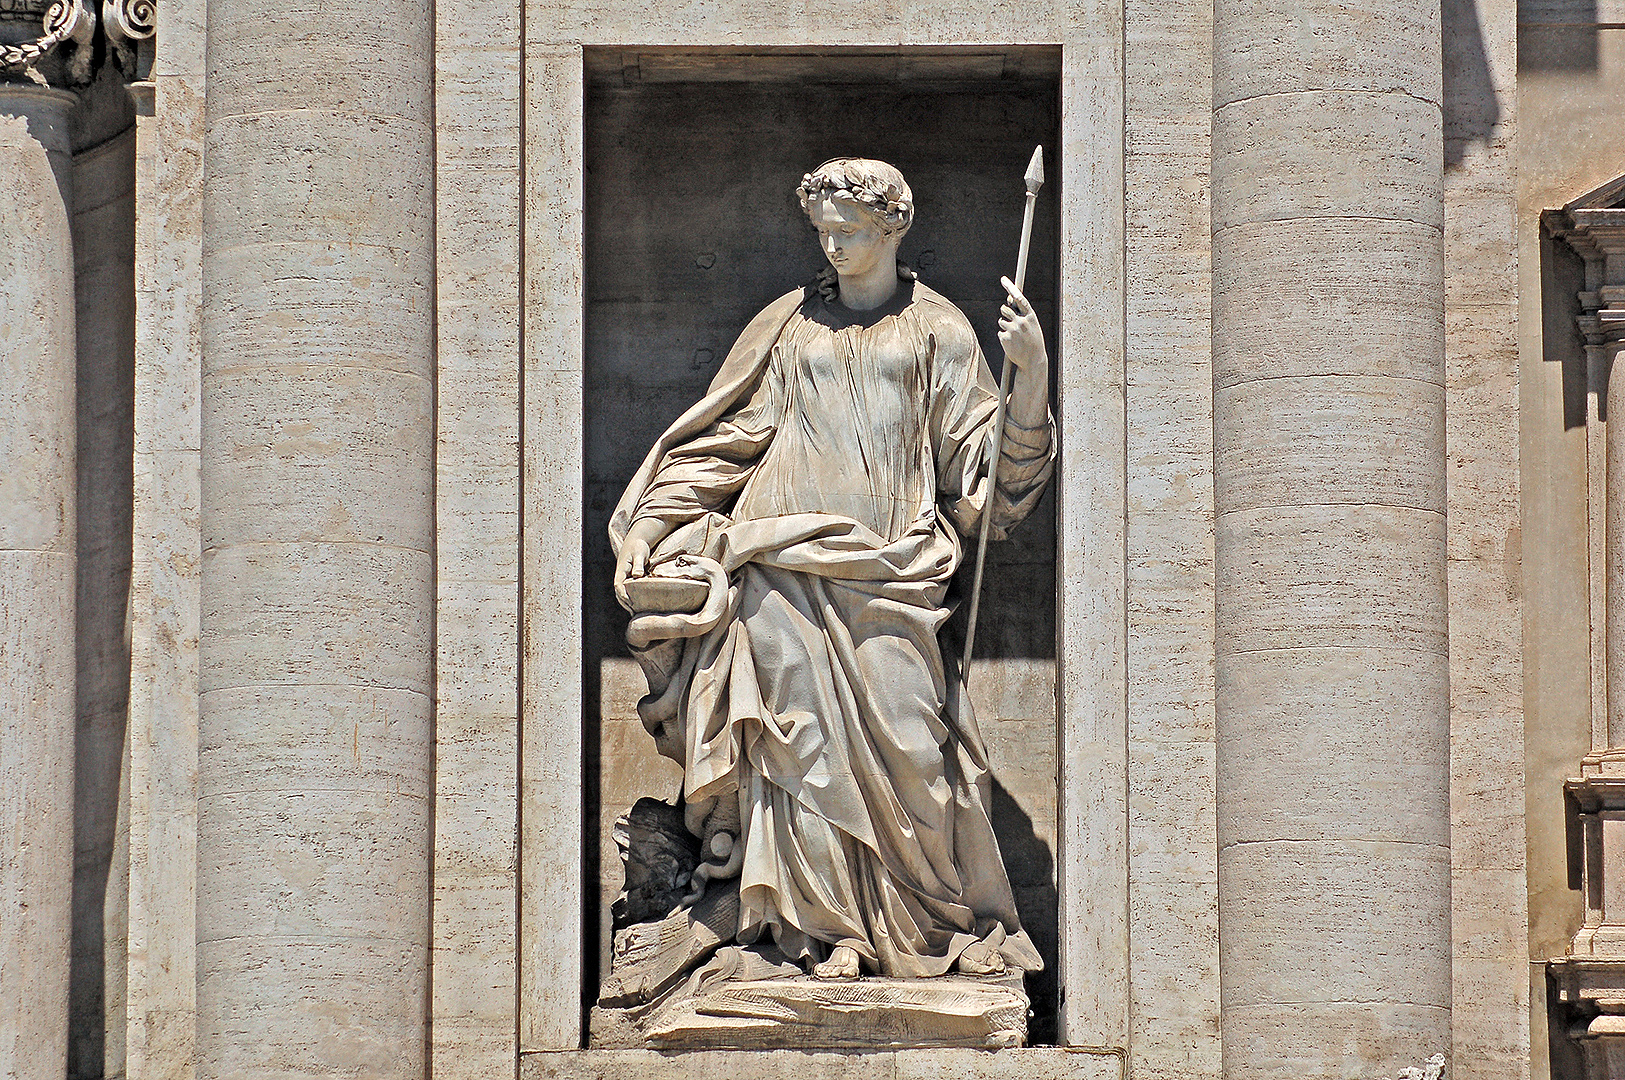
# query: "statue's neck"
(865, 292)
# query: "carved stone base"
(888, 1014)
(679, 982)
(1026, 1063)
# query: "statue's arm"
(699, 477)
(1023, 342)
(962, 427)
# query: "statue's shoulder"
(943, 317)
(750, 352)
(774, 316)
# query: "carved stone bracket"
(1593, 995)
(1594, 227)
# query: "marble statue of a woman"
(819, 491)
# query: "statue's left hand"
(1019, 332)
(635, 552)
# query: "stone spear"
(1034, 179)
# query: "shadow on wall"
(1471, 110)
(1032, 876)
(1557, 35)
(104, 263)
(1562, 276)
(1566, 1060)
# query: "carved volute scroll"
(51, 41)
(130, 27)
(33, 33)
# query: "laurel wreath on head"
(59, 26)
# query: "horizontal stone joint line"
(218, 548)
(308, 685)
(316, 789)
(297, 939)
(1443, 654)
(350, 244)
(1222, 229)
(1350, 91)
(1438, 845)
(1246, 509)
(1230, 385)
(212, 117)
(1277, 1003)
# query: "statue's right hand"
(634, 562)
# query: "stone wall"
(591, 216)
(1571, 76)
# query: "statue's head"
(860, 210)
(871, 187)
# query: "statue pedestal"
(679, 982)
(806, 1013)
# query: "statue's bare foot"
(981, 959)
(842, 964)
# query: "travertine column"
(37, 562)
(316, 635)
(1332, 680)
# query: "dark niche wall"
(692, 227)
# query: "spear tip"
(1035, 172)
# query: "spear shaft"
(1034, 179)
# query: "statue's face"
(852, 242)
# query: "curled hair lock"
(828, 281)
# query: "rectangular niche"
(692, 227)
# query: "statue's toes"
(842, 964)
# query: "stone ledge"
(882, 1014)
(1025, 1063)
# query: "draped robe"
(830, 470)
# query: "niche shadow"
(1562, 276)
(1557, 35)
(1031, 865)
(692, 228)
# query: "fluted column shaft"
(316, 636)
(37, 566)
(1332, 677)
